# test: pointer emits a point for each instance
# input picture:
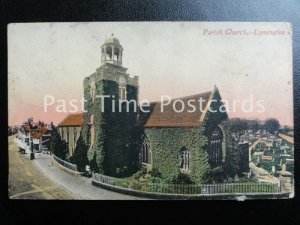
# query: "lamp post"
(31, 150)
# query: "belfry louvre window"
(68, 134)
(62, 133)
(185, 159)
(75, 137)
(215, 147)
(122, 93)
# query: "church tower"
(111, 97)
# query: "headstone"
(273, 169)
(286, 180)
(283, 168)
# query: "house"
(33, 136)
(23, 138)
(41, 139)
(69, 130)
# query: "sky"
(171, 58)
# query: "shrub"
(138, 174)
(155, 173)
(136, 185)
(155, 180)
(182, 179)
(80, 155)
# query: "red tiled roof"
(40, 131)
(72, 120)
(27, 128)
(170, 118)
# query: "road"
(26, 182)
(41, 179)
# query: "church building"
(122, 140)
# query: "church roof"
(171, 118)
(72, 120)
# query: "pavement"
(287, 138)
(262, 175)
(42, 179)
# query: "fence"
(66, 164)
(191, 189)
(104, 179)
(224, 188)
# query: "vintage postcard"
(150, 110)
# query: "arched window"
(116, 54)
(146, 155)
(122, 93)
(122, 88)
(185, 159)
(215, 153)
(109, 55)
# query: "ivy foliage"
(166, 145)
(232, 160)
(112, 152)
(167, 142)
(117, 142)
(215, 115)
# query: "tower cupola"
(111, 51)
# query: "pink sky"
(174, 59)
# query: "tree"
(232, 160)
(272, 125)
(238, 125)
(57, 146)
(80, 155)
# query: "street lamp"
(31, 156)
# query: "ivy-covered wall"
(166, 145)
(111, 153)
(167, 142)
